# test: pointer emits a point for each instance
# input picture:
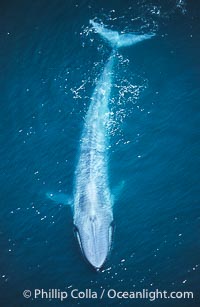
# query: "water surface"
(50, 61)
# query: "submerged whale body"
(92, 201)
(93, 216)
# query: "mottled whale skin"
(93, 202)
(93, 215)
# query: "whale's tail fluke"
(117, 40)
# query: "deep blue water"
(49, 63)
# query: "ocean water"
(50, 62)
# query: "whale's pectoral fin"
(117, 191)
(60, 198)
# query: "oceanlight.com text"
(58, 294)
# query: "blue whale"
(92, 199)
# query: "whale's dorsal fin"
(60, 198)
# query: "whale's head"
(94, 234)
